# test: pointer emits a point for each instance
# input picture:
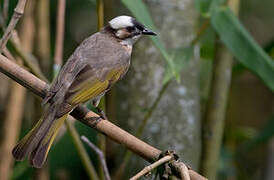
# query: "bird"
(96, 64)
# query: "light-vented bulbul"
(98, 62)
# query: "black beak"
(148, 32)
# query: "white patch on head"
(121, 22)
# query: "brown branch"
(18, 12)
(100, 154)
(182, 169)
(84, 115)
(154, 165)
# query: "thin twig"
(149, 168)
(140, 130)
(200, 31)
(151, 109)
(29, 59)
(18, 12)
(84, 115)
(100, 154)
(8, 54)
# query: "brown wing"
(94, 66)
(83, 89)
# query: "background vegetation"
(203, 87)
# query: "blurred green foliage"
(242, 45)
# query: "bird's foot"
(101, 113)
(94, 120)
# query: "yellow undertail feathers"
(37, 142)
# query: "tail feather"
(38, 155)
(25, 146)
(34, 138)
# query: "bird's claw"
(101, 113)
(94, 120)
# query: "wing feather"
(91, 70)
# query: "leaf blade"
(242, 45)
(141, 12)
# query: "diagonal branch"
(84, 115)
(100, 154)
(18, 12)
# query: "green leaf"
(242, 45)
(141, 12)
(180, 58)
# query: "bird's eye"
(130, 29)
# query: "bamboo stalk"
(81, 151)
(15, 104)
(43, 47)
(213, 124)
(11, 128)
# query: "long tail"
(37, 142)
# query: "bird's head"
(128, 29)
